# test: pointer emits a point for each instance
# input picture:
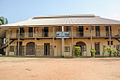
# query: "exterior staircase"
(118, 39)
(6, 44)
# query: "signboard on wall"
(62, 35)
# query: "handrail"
(75, 34)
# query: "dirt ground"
(59, 69)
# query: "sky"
(18, 10)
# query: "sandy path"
(59, 69)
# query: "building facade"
(58, 35)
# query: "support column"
(62, 42)
(8, 42)
(53, 40)
(18, 41)
(72, 42)
(91, 36)
(109, 37)
(34, 36)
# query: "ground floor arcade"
(48, 47)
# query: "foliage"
(3, 20)
(92, 52)
(77, 50)
(109, 49)
(115, 52)
(104, 50)
(6, 21)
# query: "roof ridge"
(64, 16)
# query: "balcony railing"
(74, 34)
(32, 35)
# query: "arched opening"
(83, 47)
(30, 48)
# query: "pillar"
(62, 42)
(72, 42)
(91, 36)
(18, 41)
(53, 40)
(109, 36)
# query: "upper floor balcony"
(71, 35)
(74, 32)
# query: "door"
(20, 49)
(21, 32)
(97, 28)
(108, 31)
(82, 45)
(30, 32)
(45, 31)
(46, 49)
(81, 31)
(97, 48)
(30, 48)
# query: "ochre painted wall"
(68, 42)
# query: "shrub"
(115, 52)
(77, 50)
(92, 52)
(104, 50)
(109, 49)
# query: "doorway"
(20, 49)
(46, 49)
(97, 28)
(30, 48)
(30, 32)
(21, 32)
(108, 32)
(45, 32)
(97, 48)
(82, 45)
(81, 31)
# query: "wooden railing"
(74, 34)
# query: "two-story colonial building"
(58, 35)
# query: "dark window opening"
(30, 31)
(97, 28)
(92, 28)
(80, 31)
(21, 32)
(11, 48)
(45, 32)
(108, 31)
(59, 28)
(67, 49)
(67, 28)
(110, 43)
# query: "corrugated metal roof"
(65, 20)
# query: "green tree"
(3, 20)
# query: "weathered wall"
(57, 42)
